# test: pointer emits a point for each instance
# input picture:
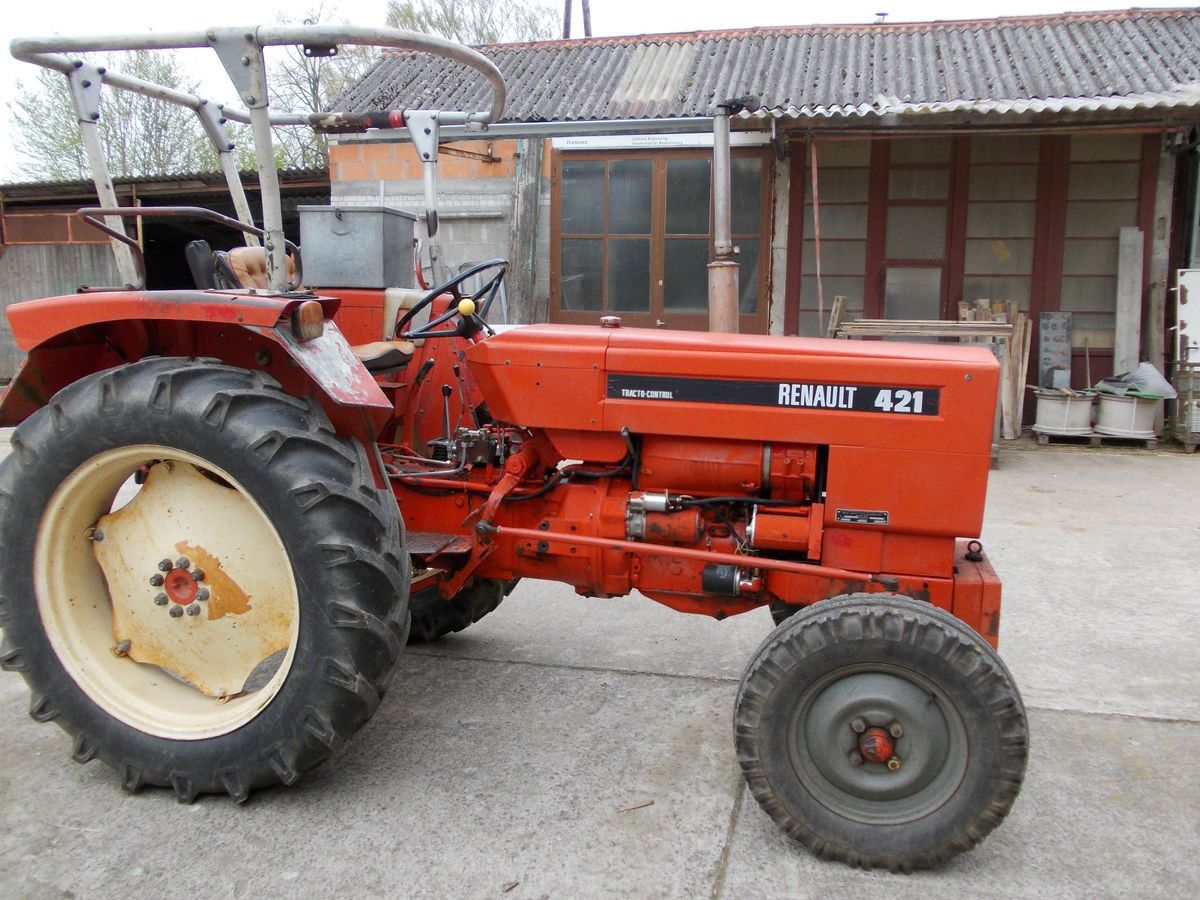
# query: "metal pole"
(723, 270)
(587, 18)
(86, 82)
(567, 19)
(212, 121)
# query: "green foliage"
(303, 84)
(141, 136)
(476, 21)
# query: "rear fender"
(70, 337)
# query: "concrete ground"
(505, 754)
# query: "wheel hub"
(876, 745)
(181, 587)
(213, 539)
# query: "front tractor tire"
(199, 580)
(881, 732)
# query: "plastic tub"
(1131, 417)
(1063, 413)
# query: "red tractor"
(227, 509)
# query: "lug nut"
(121, 649)
(97, 535)
(166, 566)
(183, 563)
(160, 600)
(156, 580)
(193, 610)
(855, 758)
(893, 764)
(858, 726)
(896, 730)
(197, 574)
(202, 594)
(176, 611)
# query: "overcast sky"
(609, 17)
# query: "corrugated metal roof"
(249, 178)
(1086, 62)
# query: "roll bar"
(240, 51)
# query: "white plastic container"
(1064, 414)
(1131, 417)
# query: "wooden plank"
(878, 327)
(1127, 342)
(836, 314)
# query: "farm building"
(903, 166)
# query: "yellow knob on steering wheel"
(466, 308)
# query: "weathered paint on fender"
(330, 362)
(34, 322)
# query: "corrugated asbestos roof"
(1131, 60)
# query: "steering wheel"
(472, 316)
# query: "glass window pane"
(582, 196)
(839, 185)
(838, 221)
(999, 257)
(1105, 146)
(580, 272)
(685, 274)
(1006, 148)
(841, 153)
(997, 287)
(629, 275)
(748, 276)
(1002, 183)
(918, 184)
(1097, 218)
(913, 293)
(629, 193)
(689, 186)
(1093, 295)
(850, 288)
(837, 257)
(1001, 219)
(924, 150)
(1103, 181)
(916, 232)
(1090, 257)
(745, 189)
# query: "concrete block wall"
(474, 199)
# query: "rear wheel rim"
(930, 755)
(168, 650)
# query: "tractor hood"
(742, 387)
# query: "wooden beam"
(1127, 342)
(522, 249)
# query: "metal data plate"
(1054, 347)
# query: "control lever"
(446, 392)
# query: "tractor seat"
(380, 355)
(246, 267)
(249, 266)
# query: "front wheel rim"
(159, 609)
(825, 733)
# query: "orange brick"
(353, 171)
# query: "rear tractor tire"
(199, 580)
(433, 617)
(881, 732)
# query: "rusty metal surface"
(240, 608)
(1129, 60)
(332, 363)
